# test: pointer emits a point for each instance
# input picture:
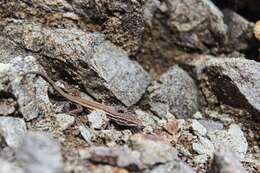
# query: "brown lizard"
(120, 118)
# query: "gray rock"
(39, 153)
(31, 92)
(233, 139)
(198, 128)
(204, 146)
(64, 120)
(86, 133)
(235, 82)
(97, 119)
(211, 125)
(13, 130)
(178, 93)
(173, 167)
(147, 118)
(200, 159)
(8, 167)
(103, 69)
(225, 161)
(153, 150)
(118, 156)
(239, 31)
(174, 26)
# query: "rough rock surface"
(235, 82)
(177, 94)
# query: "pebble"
(198, 128)
(13, 130)
(64, 120)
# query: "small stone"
(197, 115)
(148, 119)
(225, 161)
(97, 119)
(200, 159)
(233, 138)
(198, 128)
(64, 120)
(204, 146)
(40, 153)
(153, 150)
(86, 133)
(13, 130)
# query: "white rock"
(13, 130)
(97, 119)
(198, 128)
(200, 159)
(64, 120)
(233, 139)
(204, 146)
(197, 115)
(40, 153)
(86, 133)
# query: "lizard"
(120, 118)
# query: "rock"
(111, 16)
(204, 146)
(173, 27)
(197, 115)
(147, 118)
(8, 167)
(200, 159)
(225, 161)
(198, 128)
(103, 69)
(13, 130)
(211, 125)
(97, 119)
(177, 94)
(239, 31)
(153, 150)
(86, 133)
(235, 82)
(172, 167)
(31, 92)
(40, 153)
(120, 156)
(7, 106)
(233, 139)
(64, 120)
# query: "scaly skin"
(119, 118)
